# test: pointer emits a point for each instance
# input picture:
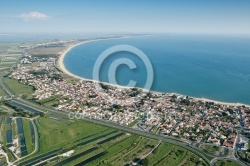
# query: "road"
(120, 127)
(5, 88)
(65, 114)
(109, 124)
(212, 162)
(2, 152)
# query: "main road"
(106, 123)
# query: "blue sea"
(214, 67)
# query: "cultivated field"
(12, 133)
(97, 145)
(9, 54)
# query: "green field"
(17, 87)
(134, 122)
(46, 51)
(54, 134)
(50, 101)
(167, 154)
(4, 47)
(27, 135)
(226, 163)
(9, 54)
(124, 149)
(117, 150)
(211, 149)
(2, 93)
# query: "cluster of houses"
(172, 114)
(56, 43)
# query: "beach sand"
(61, 59)
(64, 70)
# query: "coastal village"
(187, 118)
(125, 83)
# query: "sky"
(130, 16)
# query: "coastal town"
(125, 83)
(173, 115)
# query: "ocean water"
(214, 67)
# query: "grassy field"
(2, 93)
(226, 163)
(18, 88)
(9, 54)
(84, 157)
(129, 154)
(3, 138)
(134, 122)
(118, 151)
(54, 134)
(3, 129)
(10, 48)
(6, 65)
(167, 154)
(46, 51)
(50, 101)
(27, 135)
(211, 148)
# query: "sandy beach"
(64, 70)
(61, 59)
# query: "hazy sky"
(175, 16)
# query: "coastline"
(62, 56)
(65, 71)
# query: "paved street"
(167, 139)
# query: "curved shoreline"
(65, 71)
(62, 56)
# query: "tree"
(144, 162)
